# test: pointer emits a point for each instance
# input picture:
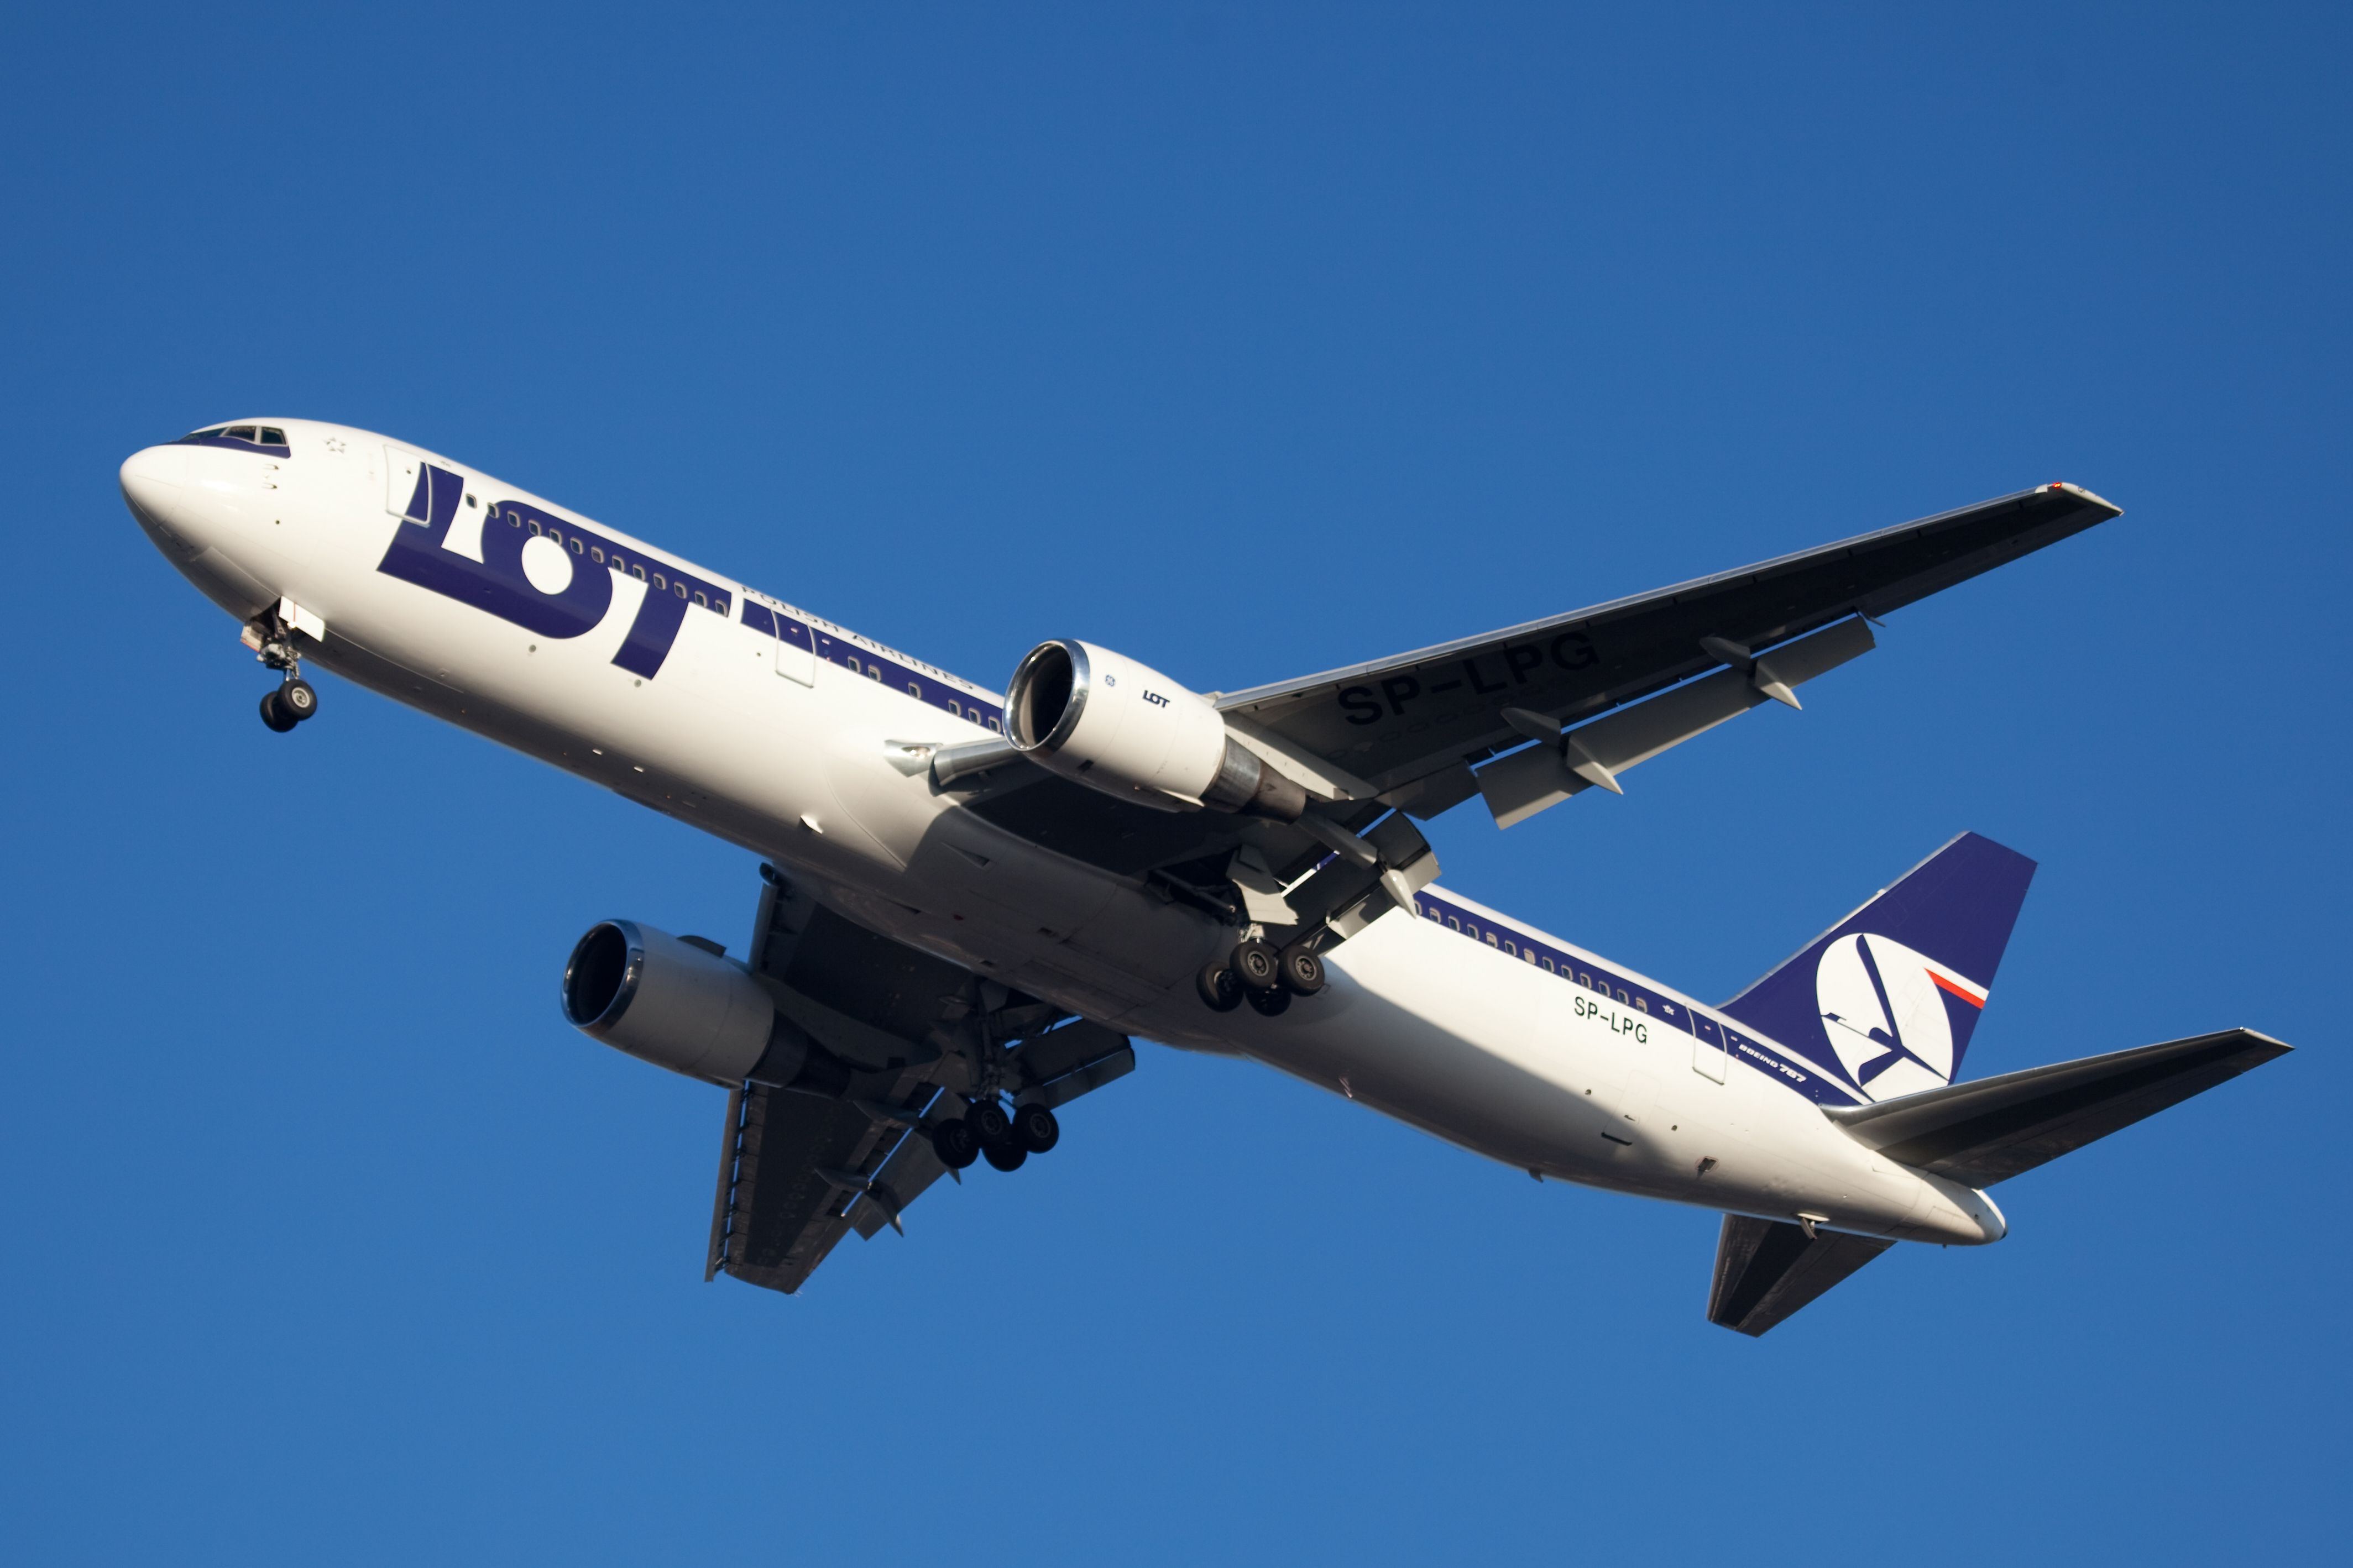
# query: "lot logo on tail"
(1884, 1001)
(1890, 1014)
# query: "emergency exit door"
(796, 651)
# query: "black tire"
(298, 701)
(1257, 965)
(1218, 988)
(1302, 972)
(990, 1123)
(275, 715)
(1006, 1156)
(955, 1143)
(1270, 1003)
(1035, 1129)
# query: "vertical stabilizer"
(1885, 1001)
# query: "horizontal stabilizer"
(1767, 1268)
(1990, 1131)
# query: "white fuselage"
(1472, 1027)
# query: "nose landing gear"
(289, 705)
(295, 699)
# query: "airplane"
(971, 902)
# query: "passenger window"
(874, 672)
(1455, 923)
(1623, 998)
(597, 554)
(992, 725)
(1510, 948)
(913, 690)
(1583, 978)
(1643, 1002)
(680, 588)
(704, 602)
(577, 547)
(639, 573)
(534, 526)
(1547, 963)
(273, 436)
(1491, 939)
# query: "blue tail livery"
(1885, 1001)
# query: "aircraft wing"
(1598, 690)
(1410, 727)
(799, 1172)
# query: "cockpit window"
(265, 439)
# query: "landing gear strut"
(294, 700)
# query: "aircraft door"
(796, 651)
(400, 469)
(1707, 1049)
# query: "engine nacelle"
(1129, 730)
(676, 1005)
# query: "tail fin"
(1884, 1001)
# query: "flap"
(1519, 786)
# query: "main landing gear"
(294, 700)
(1259, 973)
(987, 1132)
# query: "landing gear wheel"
(1270, 1003)
(990, 1123)
(274, 714)
(1302, 972)
(955, 1143)
(297, 700)
(1006, 1156)
(1036, 1128)
(1220, 988)
(1257, 965)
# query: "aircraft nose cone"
(154, 478)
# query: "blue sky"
(1248, 340)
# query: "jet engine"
(679, 1006)
(1125, 729)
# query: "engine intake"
(667, 1001)
(1125, 729)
